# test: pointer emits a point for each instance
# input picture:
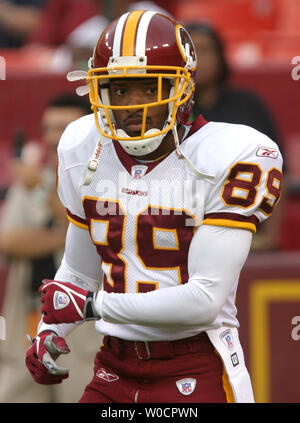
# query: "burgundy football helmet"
(142, 44)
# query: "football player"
(167, 208)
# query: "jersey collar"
(129, 161)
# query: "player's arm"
(216, 257)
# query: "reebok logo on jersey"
(272, 153)
(109, 377)
(60, 300)
(186, 386)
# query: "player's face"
(126, 92)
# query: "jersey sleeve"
(69, 172)
(248, 175)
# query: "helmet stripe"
(130, 30)
(118, 35)
(142, 33)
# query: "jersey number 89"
(242, 184)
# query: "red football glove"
(64, 302)
(45, 348)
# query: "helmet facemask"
(181, 92)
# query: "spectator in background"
(18, 18)
(217, 100)
(33, 229)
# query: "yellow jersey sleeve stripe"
(231, 220)
(75, 222)
(78, 221)
(230, 224)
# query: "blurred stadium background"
(262, 39)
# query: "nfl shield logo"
(60, 300)
(226, 338)
(186, 386)
(138, 171)
(229, 342)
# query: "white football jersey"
(142, 216)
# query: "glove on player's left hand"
(63, 302)
(41, 356)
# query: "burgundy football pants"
(185, 371)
